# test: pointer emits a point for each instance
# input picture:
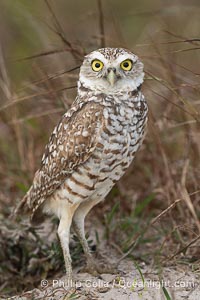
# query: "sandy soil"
(127, 285)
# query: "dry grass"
(156, 206)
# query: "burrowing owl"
(92, 145)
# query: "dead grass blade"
(182, 250)
(186, 196)
(6, 87)
(34, 116)
(155, 220)
(193, 111)
(184, 50)
(173, 103)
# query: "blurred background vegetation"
(42, 44)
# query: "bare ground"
(129, 284)
(132, 281)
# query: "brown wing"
(71, 144)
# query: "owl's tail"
(21, 208)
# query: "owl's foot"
(96, 269)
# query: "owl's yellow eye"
(97, 65)
(126, 65)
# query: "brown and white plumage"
(93, 144)
(71, 144)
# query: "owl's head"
(111, 70)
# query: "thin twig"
(45, 53)
(49, 77)
(192, 41)
(19, 100)
(60, 32)
(168, 42)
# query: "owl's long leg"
(78, 225)
(64, 234)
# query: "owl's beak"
(111, 76)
